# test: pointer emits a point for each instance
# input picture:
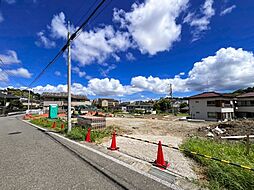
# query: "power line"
(68, 41)
(94, 17)
(8, 73)
(89, 9)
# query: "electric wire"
(5, 70)
(67, 43)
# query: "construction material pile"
(230, 128)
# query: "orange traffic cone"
(53, 125)
(62, 126)
(113, 143)
(160, 162)
(88, 135)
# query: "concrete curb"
(151, 176)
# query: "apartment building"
(212, 106)
(245, 105)
(61, 99)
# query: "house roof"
(63, 95)
(246, 95)
(8, 96)
(108, 99)
(211, 95)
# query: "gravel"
(148, 152)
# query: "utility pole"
(69, 80)
(28, 105)
(171, 96)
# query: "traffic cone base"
(166, 164)
(113, 142)
(160, 162)
(115, 148)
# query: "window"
(210, 103)
(211, 114)
(197, 102)
(197, 112)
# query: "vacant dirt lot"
(167, 125)
(167, 129)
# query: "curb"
(149, 175)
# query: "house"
(61, 99)
(245, 105)
(106, 103)
(212, 106)
(5, 99)
(32, 103)
(140, 106)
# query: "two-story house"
(245, 105)
(211, 106)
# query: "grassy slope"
(221, 175)
(77, 133)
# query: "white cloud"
(44, 41)
(227, 10)
(153, 18)
(200, 22)
(57, 73)
(58, 26)
(3, 76)
(20, 72)
(228, 69)
(76, 88)
(104, 72)
(157, 85)
(79, 72)
(10, 57)
(99, 44)
(110, 87)
(100, 87)
(92, 46)
(9, 1)
(1, 17)
(130, 56)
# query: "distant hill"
(242, 91)
(22, 93)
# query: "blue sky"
(133, 49)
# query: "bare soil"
(167, 129)
(156, 125)
(230, 128)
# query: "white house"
(211, 106)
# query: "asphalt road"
(32, 159)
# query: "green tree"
(164, 104)
(15, 104)
(184, 104)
